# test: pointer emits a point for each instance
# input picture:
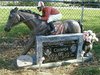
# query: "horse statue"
(39, 27)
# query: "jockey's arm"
(45, 14)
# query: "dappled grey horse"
(38, 27)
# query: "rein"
(25, 20)
(30, 12)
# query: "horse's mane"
(31, 12)
(27, 11)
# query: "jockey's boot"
(52, 27)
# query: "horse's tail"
(81, 25)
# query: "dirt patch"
(8, 54)
(11, 49)
(63, 70)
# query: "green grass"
(91, 20)
(88, 71)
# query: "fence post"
(82, 14)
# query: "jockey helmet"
(40, 4)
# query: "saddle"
(59, 27)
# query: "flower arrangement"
(89, 38)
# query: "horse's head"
(13, 19)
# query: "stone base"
(61, 63)
(56, 64)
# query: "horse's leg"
(30, 43)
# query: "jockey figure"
(49, 14)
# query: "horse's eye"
(10, 16)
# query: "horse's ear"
(15, 8)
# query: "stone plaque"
(58, 47)
(56, 51)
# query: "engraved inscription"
(59, 51)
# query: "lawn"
(90, 22)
